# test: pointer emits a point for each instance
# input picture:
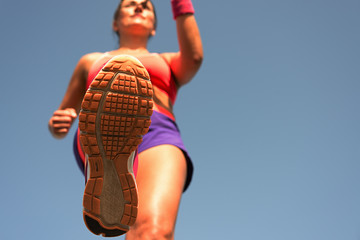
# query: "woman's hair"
(117, 13)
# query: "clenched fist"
(61, 121)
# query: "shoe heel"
(114, 115)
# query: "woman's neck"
(127, 51)
(136, 44)
(130, 51)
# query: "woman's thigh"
(160, 180)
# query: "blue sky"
(271, 120)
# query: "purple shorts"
(163, 130)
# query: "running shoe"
(115, 114)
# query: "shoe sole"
(114, 115)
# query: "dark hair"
(116, 14)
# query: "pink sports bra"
(159, 70)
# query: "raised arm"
(187, 61)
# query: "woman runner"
(115, 94)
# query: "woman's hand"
(61, 121)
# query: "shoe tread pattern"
(115, 114)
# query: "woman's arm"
(187, 61)
(63, 117)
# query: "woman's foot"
(115, 113)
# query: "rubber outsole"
(114, 115)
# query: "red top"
(158, 69)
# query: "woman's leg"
(160, 180)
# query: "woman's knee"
(150, 229)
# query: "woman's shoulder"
(90, 57)
(87, 60)
(168, 56)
